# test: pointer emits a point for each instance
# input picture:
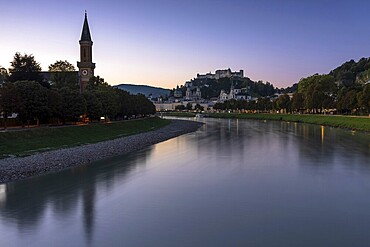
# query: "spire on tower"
(85, 36)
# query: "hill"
(144, 89)
(211, 88)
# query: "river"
(231, 183)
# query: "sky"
(164, 43)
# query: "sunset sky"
(167, 42)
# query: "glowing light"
(322, 134)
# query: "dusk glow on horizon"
(165, 43)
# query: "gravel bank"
(12, 169)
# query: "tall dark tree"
(124, 103)
(93, 105)
(283, 103)
(25, 68)
(109, 101)
(347, 101)
(63, 74)
(297, 102)
(73, 104)
(9, 100)
(55, 104)
(363, 98)
(33, 101)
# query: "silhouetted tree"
(9, 100)
(25, 68)
(297, 101)
(73, 104)
(33, 101)
(55, 104)
(63, 74)
(363, 98)
(93, 106)
(283, 103)
(180, 107)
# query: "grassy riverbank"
(349, 122)
(179, 114)
(28, 141)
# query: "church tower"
(86, 66)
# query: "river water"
(232, 183)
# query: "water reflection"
(232, 183)
(24, 203)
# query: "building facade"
(235, 93)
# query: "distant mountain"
(144, 89)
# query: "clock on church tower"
(85, 65)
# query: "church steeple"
(85, 35)
(85, 65)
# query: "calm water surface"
(232, 183)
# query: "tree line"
(345, 90)
(57, 98)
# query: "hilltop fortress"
(208, 89)
(226, 73)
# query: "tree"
(109, 100)
(25, 68)
(95, 82)
(8, 100)
(143, 105)
(61, 66)
(93, 106)
(318, 91)
(283, 102)
(73, 104)
(124, 103)
(364, 98)
(180, 108)
(63, 74)
(3, 75)
(297, 102)
(33, 101)
(55, 104)
(198, 107)
(364, 77)
(219, 106)
(189, 106)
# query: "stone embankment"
(12, 169)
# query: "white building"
(193, 94)
(235, 93)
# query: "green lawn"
(179, 114)
(350, 122)
(28, 141)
